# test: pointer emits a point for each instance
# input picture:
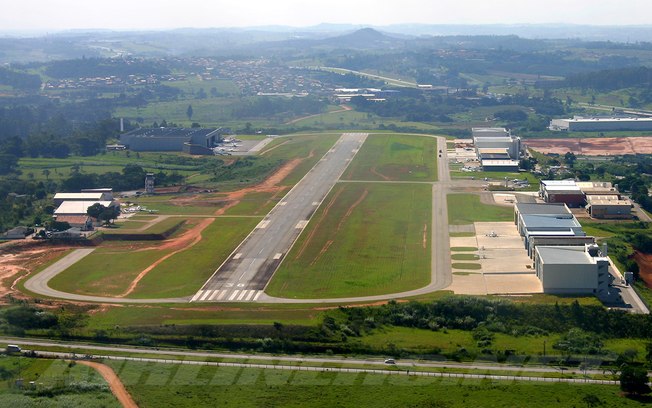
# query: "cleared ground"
(603, 146)
(386, 157)
(366, 239)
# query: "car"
(390, 361)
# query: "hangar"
(189, 140)
(601, 124)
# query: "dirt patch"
(382, 176)
(644, 262)
(186, 241)
(117, 387)
(601, 146)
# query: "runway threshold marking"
(222, 294)
(244, 292)
(197, 295)
(234, 294)
(205, 295)
(257, 295)
(211, 297)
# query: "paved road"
(244, 275)
(307, 363)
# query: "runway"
(244, 275)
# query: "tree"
(95, 210)
(633, 380)
(189, 112)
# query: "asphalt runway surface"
(244, 275)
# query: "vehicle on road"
(12, 348)
(390, 361)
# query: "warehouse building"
(608, 206)
(191, 141)
(601, 124)
(98, 194)
(573, 269)
(562, 191)
(545, 220)
(497, 149)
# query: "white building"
(494, 145)
(600, 124)
(572, 269)
(608, 206)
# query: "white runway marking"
(250, 295)
(206, 293)
(302, 224)
(222, 294)
(263, 224)
(315, 203)
(257, 294)
(283, 203)
(234, 294)
(237, 256)
(197, 295)
(244, 292)
(215, 292)
(278, 256)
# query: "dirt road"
(117, 388)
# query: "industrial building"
(608, 206)
(601, 124)
(497, 149)
(562, 191)
(73, 207)
(545, 220)
(192, 141)
(601, 199)
(100, 194)
(573, 269)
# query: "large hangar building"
(188, 140)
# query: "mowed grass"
(393, 157)
(49, 373)
(185, 272)
(180, 386)
(467, 209)
(366, 239)
(109, 271)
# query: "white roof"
(78, 196)
(78, 207)
(559, 182)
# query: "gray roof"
(550, 222)
(564, 255)
(542, 209)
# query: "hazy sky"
(155, 14)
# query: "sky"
(24, 15)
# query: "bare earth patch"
(597, 146)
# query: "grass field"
(184, 273)
(395, 157)
(109, 270)
(366, 239)
(467, 209)
(467, 265)
(168, 385)
(72, 385)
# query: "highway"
(282, 362)
(244, 275)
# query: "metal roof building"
(600, 124)
(572, 269)
(172, 139)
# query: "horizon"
(145, 15)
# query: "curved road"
(441, 275)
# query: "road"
(404, 367)
(244, 275)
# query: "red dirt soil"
(117, 387)
(644, 262)
(600, 146)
